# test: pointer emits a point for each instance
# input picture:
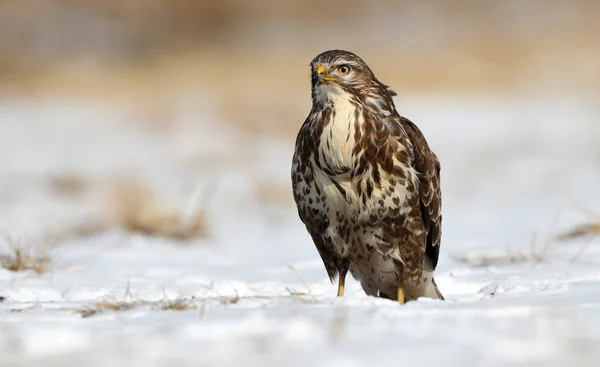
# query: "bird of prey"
(366, 184)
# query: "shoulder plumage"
(428, 166)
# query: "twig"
(589, 229)
(300, 279)
(581, 250)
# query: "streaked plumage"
(366, 183)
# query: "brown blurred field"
(91, 45)
(249, 58)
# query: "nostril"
(319, 70)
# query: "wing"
(308, 199)
(427, 165)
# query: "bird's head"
(339, 74)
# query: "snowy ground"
(516, 171)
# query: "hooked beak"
(319, 75)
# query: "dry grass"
(68, 185)
(301, 297)
(180, 304)
(129, 302)
(231, 300)
(138, 209)
(484, 260)
(130, 205)
(112, 304)
(82, 229)
(585, 230)
(18, 259)
(535, 255)
(109, 304)
(300, 278)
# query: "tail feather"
(437, 290)
(428, 289)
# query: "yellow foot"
(401, 294)
(341, 282)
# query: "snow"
(515, 172)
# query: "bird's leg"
(342, 271)
(400, 294)
(341, 283)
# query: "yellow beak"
(320, 71)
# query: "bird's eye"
(344, 69)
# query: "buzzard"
(366, 184)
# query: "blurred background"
(111, 108)
(145, 154)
